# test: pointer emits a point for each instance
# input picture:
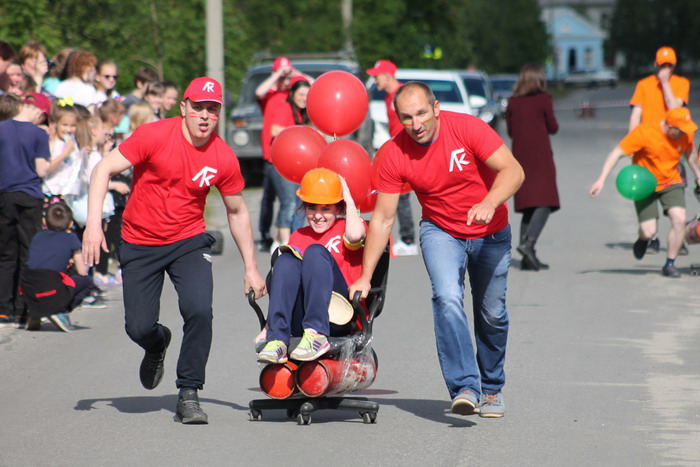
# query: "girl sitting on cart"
(319, 261)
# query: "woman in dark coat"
(530, 119)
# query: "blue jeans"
(486, 260)
(288, 216)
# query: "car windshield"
(247, 95)
(502, 85)
(475, 86)
(444, 90)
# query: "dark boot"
(530, 261)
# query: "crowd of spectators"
(72, 99)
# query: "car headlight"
(241, 137)
(486, 116)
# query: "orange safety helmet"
(320, 186)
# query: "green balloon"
(635, 182)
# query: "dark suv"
(245, 125)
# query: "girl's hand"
(346, 191)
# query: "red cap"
(39, 100)
(382, 67)
(665, 55)
(204, 89)
(281, 62)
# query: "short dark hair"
(59, 217)
(7, 53)
(9, 105)
(145, 75)
(416, 85)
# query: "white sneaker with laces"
(404, 249)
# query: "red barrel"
(277, 381)
(692, 232)
(329, 376)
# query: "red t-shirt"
(282, 115)
(449, 175)
(268, 105)
(395, 125)
(349, 261)
(171, 182)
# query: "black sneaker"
(188, 410)
(670, 271)
(653, 247)
(153, 363)
(684, 250)
(640, 248)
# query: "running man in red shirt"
(462, 174)
(176, 161)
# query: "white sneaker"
(274, 246)
(404, 249)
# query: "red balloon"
(337, 103)
(295, 151)
(369, 203)
(377, 163)
(349, 159)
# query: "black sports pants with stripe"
(188, 264)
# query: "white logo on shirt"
(333, 243)
(206, 174)
(459, 161)
(208, 87)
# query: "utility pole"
(346, 10)
(215, 47)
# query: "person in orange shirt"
(653, 97)
(660, 92)
(658, 147)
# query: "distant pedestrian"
(658, 147)
(530, 120)
(653, 97)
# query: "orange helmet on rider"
(320, 186)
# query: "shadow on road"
(145, 404)
(433, 410)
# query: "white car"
(448, 87)
(591, 78)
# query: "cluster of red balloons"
(337, 105)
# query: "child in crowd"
(55, 249)
(154, 97)
(319, 259)
(65, 156)
(171, 93)
(139, 114)
(106, 81)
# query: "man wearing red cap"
(176, 161)
(271, 94)
(658, 147)
(653, 96)
(384, 72)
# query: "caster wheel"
(369, 417)
(303, 419)
(254, 415)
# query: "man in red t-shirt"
(384, 72)
(462, 174)
(271, 94)
(175, 162)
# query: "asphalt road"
(602, 360)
